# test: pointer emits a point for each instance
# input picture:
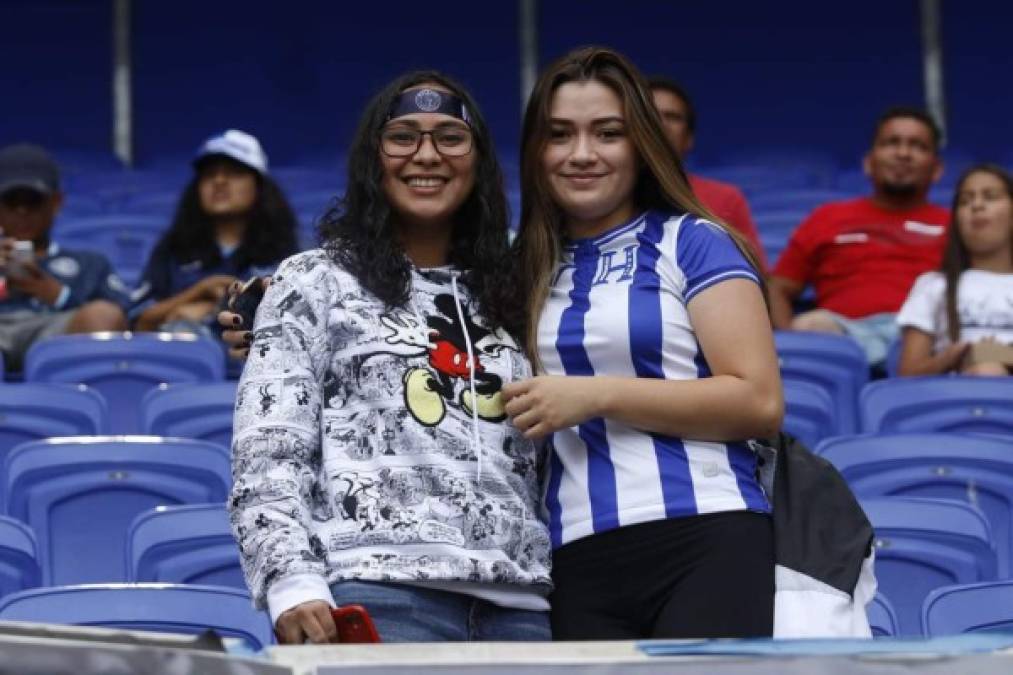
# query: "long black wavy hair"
(270, 234)
(358, 231)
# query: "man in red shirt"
(722, 199)
(863, 255)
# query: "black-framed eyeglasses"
(404, 141)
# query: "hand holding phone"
(354, 624)
(246, 302)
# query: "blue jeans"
(412, 614)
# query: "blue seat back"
(809, 412)
(924, 544)
(80, 494)
(123, 367)
(150, 607)
(833, 362)
(125, 238)
(19, 563)
(800, 199)
(190, 411)
(882, 618)
(184, 545)
(971, 608)
(33, 411)
(939, 403)
(975, 469)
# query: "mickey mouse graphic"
(428, 391)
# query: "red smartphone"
(354, 624)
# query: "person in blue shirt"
(233, 221)
(45, 290)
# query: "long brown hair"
(956, 258)
(662, 183)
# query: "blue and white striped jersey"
(618, 307)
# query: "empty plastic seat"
(164, 608)
(804, 199)
(80, 494)
(834, 362)
(125, 238)
(945, 403)
(184, 545)
(773, 245)
(809, 412)
(190, 411)
(123, 367)
(882, 618)
(781, 222)
(976, 469)
(924, 544)
(32, 411)
(19, 564)
(969, 608)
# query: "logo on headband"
(428, 100)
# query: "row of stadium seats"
(952, 610)
(189, 544)
(165, 608)
(36, 411)
(826, 382)
(940, 504)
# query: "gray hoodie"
(359, 451)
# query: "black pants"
(704, 576)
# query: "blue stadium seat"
(773, 245)
(834, 362)
(809, 412)
(30, 412)
(969, 608)
(781, 222)
(201, 411)
(804, 199)
(184, 545)
(123, 367)
(972, 468)
(166, 608)
(19, 563)
(882, 618)
(924, 544)
(79, 494)
(125, 238)
(939, 403)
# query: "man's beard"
(901, 190)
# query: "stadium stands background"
(783, 76)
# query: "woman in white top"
(647, 318)
(970, 299)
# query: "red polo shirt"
(728, 203)
(862, 259)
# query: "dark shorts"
(708, 576)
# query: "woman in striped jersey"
(647, 318)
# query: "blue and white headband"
(427, 100)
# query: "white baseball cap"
(237, 145)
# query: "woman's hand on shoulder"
(308, 622)
(547, 403)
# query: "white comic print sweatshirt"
(367, 446)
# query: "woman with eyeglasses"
(647, 316)
(372, 458)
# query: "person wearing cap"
(46, 290)
(232, 221)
